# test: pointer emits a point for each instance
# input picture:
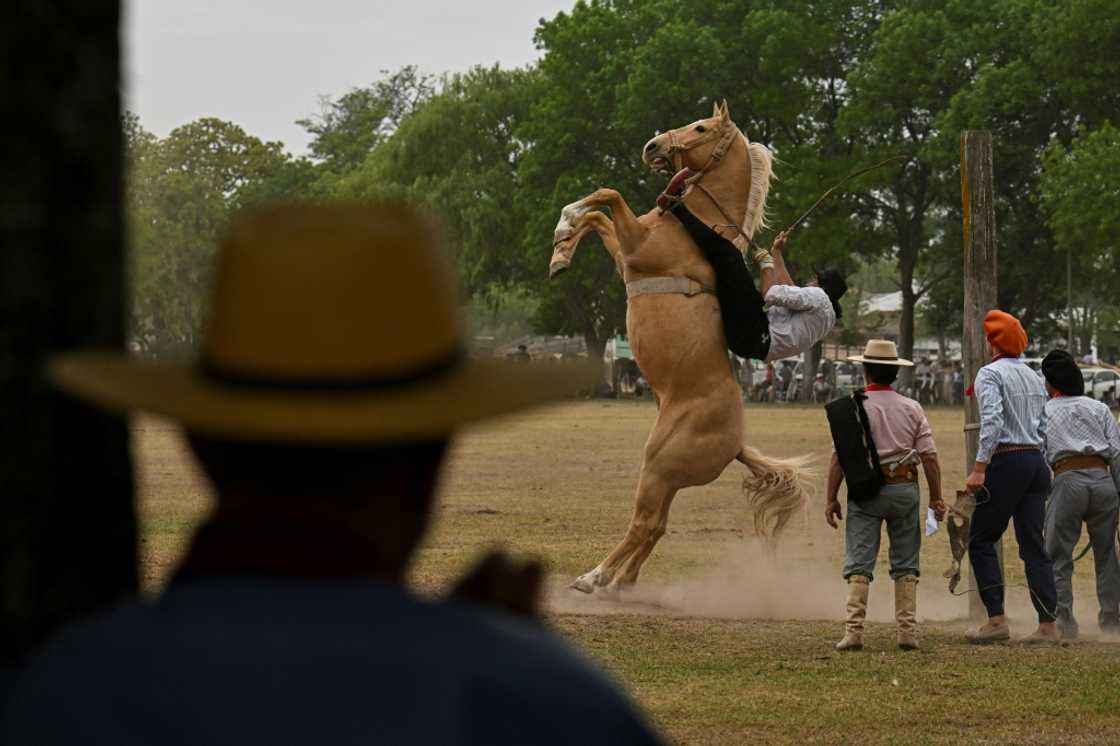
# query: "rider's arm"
(775, 273)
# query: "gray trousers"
(900, 506)
(1089, 496)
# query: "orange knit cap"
(1005, 332)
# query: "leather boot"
(858, 587)
(906, 611)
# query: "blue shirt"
(253, 660)
(1012, 402)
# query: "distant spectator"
(321, 411)
(522, 354)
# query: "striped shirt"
(1012, 402)
(1079, 426)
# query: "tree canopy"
(829, 85)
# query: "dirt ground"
(723, 641)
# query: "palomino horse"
(675, 331)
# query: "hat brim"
(897, 362)
(475, 391)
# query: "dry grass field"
(723, 641)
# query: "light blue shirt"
(1080, 426)
(1012, 402)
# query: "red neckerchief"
(971, 390)
(877, 387)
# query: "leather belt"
(1013, 447)
(903, 473)
(1080, 462)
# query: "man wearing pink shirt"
(902, 438)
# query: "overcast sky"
(264, 63)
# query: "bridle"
(727, 131)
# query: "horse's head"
(693, 145)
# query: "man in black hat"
(782, 320)
(1082, 445)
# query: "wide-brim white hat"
(881, 352)
(332, 324)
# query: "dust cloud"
(753, 582)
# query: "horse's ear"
(715, 109)
(723, 114)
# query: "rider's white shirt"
(799, 318)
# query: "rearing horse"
(675, 331)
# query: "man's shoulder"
(897, 401)
(352, 635)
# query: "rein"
(727, 132)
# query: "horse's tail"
(774, 488)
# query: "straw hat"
(334, 324)
(881, 352)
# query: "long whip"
(797, 223)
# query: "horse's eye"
(701, 128)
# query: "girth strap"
(666, 285)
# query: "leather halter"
(727, 131)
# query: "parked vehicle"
(1102, 384)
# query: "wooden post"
(980, 284)
(67, 530)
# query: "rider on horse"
(783, 319)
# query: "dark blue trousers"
(1018, 483)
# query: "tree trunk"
(811, 361)
(981, 280)
(67, 528)
(596, 345)
(906, 264)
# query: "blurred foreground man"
(332, 375)
(901, 439)
(1010, 480)
(1082, 441)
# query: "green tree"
(347, 129)
(1082, 201)
(459, 155)
(181, 191)
(1036, 73)
(615, 73)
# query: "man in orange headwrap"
(1012, 480)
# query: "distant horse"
(675, 332)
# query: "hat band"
(348, 385)
(880, 357)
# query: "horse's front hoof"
(586, 583)
(556, 268)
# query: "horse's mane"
(762, 173)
